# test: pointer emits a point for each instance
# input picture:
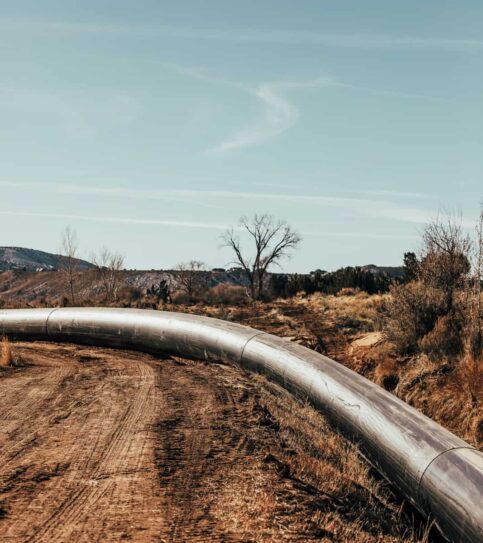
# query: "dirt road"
(101, 445)
(104, 445)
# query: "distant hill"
(32, 284)
(19, 258)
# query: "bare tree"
(70, 264)
(191, 277)
(445, 262)
(109, 265)
(273, 240)
(439, 312)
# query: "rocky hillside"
(395, 272)
(19, 258)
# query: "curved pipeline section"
(440, 474)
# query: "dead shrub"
(431, 313)
(413, 311)
(6, 358)
(227, 294)
(445, 339)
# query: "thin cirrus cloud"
(195, 225)
(241, 35)
(278, 113)
(119, 220)
(278, 116)
(350, 41)
(108, 192)
(383, 206)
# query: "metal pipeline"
(439, 473)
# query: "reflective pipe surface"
(439, 473)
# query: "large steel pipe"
(439, 473)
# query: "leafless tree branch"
(191, 277)
(70, 264)
(273, 240)
(109, 265)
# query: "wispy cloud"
(392, 194)
(278, 113)
(119, 220)
(385, 206)
(277, 117)
(350, 41)
(107, 192)
(243, 35)
(192, 224)
(199, 74)
(364, 235)
(388, 209)
(389, 93)
(69, 188)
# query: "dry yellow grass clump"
(6, 358)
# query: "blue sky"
(151, 126)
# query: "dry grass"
(471, 378)
(252, 503)
(6, 358)
(353, 505)
(451, 395)
(331, 493)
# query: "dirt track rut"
(105, 445)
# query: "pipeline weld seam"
(47, 320)
(436, 458)
(247, 342)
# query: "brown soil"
(106, 445)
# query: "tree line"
(267, 243)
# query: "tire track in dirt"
(102, 445)
(112, 461)
(212, 459)
(23, 394)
